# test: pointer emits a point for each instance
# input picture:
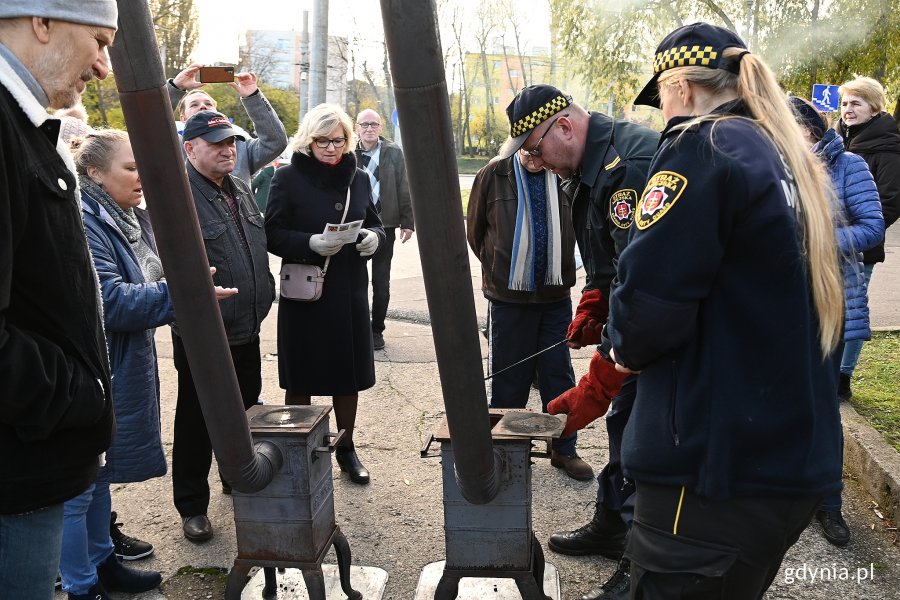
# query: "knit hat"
(99, 13)
(531, 107)
(73, 127)
(698, 44)
(808, 117)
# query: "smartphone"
(216, 74)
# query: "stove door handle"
(336, 439)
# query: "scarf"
(125, 220)
(370, 159)
(522, 265)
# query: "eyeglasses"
(371, 125)
(336, 142)
(536, 151)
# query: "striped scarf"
(522, 267)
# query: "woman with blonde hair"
(730, 300)
(325, 347)
(871, 133)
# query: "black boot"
(844, 392)
(95, 593)
(116, 577)
(834, 527)
(349, 463)
(604, 535)
(616, 587)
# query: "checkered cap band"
(683, 56)
(529, 122)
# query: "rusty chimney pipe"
(157, 151)
(420, 87)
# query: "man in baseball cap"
(54, 371)
(605, 162)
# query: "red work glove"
(588, 321)
(590, 399)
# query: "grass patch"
(470, 165)
(876, 385)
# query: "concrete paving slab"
(483, 588)
(368, 581)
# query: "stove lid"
(291, 420)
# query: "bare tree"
(485, 18)
(175, 22)
(258, 55)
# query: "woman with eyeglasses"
(325, 346)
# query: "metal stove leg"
(529, 589)
(270, 591)
(538, 563)
(237, 580)
(447, 587)
(315, 583)
(342, 550)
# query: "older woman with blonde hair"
(325, 346)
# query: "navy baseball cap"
(698, 44)
(531, 107)
(210, 125)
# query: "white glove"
(323, 247)
(369, 243)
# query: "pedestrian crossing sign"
(826, 97)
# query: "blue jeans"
(518, 330)
(29, 553)
(853, 348)
(86, 541)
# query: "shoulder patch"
(621, 208)
(661, 193)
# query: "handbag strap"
(343, 217)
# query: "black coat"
(56, 414)
(878, 142)
(324, 347)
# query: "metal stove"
(496, 539)
(291, 522)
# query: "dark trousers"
(833, 502)
(191, 448)
(381, 279)
(519, 330)
(614, 491)
(683, 546)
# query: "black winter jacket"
(878, 142)
(714, 307)
(55, 406)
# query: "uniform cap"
(531, 107)
(698, 44)
(210, 125)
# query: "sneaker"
(127, 547)
(95, 593)
(377, 340)
(834, 527)
(572, 465)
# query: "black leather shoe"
(197, 528)
(844, 391)
(349, 463)
(604, 535)
(616, 587)
(834, 527)
(116, 577)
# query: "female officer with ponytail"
(730, 300)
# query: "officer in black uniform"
(728, 311)
(604, 162)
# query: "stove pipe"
(420, 87)
(157, 151)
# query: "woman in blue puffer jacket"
(859, 227)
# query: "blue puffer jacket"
(132, 309)
(861, 227)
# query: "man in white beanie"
(56, 417)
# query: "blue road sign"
(826, 97)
